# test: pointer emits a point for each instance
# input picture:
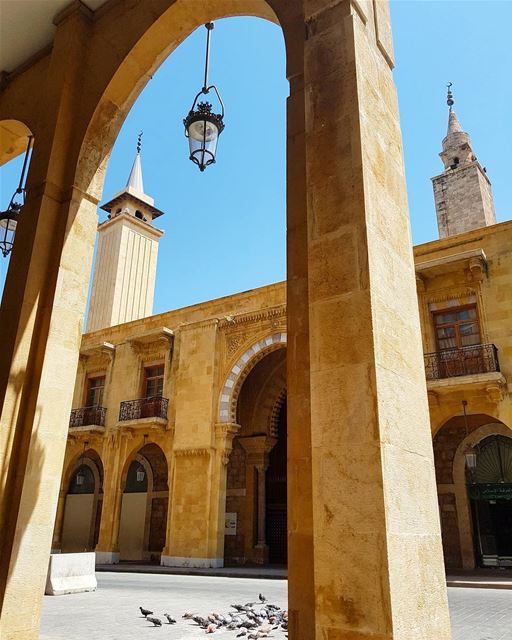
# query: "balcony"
(464, 361)
(475, 368)
(88, 419)
(148, 412)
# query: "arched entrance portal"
(256, 504)
(490, 493)
(468, 525)
(82, 510)
(144, 507)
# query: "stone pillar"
(373, 552)
(257, 449)
(224, 435)
(59, 521)
(191, 538)
(115, 453)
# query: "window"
(154, 381)
(95, 387)
(457, 328)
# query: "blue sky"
(225, 228)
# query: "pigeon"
(262, 598)
(211, 628)
(156, 621)
(145, 612)
(170, 619)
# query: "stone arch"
(450, 444)
(276, 411)
(241, 369)
(66, 536)
(89, 453)
(13, 139)
(142, 56)
(152, 519)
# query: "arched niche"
(83, 504)
(143, 515)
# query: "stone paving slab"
(111, 612)
(268, 573)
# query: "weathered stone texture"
(463, 200)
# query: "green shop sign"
(490, 491)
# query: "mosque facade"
(176, 451)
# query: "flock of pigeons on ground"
(251, 621)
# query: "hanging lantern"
(470, 456)
(470, 453)
(80, 477)
(9, 217)
(141, 474)
(202, 126)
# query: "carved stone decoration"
(224, 435)
(495, 392)
(234, 343)
(240, 370)
(477, 268)
(191, 452)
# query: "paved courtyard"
(112, 611)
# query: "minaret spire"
(125, 269)
(462, 192)
(135, 178)
(449, 98)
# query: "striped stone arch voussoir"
(241, 369)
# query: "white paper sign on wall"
(230, 524)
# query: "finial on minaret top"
(449, 98)
(139, 141)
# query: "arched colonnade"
(349, 266)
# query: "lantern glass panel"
(470, 460)
(202, 138)
(8, 223)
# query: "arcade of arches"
(349, 264)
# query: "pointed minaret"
(462, 193)
(125, 268)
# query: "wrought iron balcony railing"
(154, 407)
(88, 416)
(464, 361)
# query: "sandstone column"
(375, 538)
(257, 449)
(191, 540)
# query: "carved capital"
(495, 392)
(477, 268)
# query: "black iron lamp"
(202, 126)
(470, 453)
(80, 476)
(9, 217)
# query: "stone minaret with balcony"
(125, 268)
